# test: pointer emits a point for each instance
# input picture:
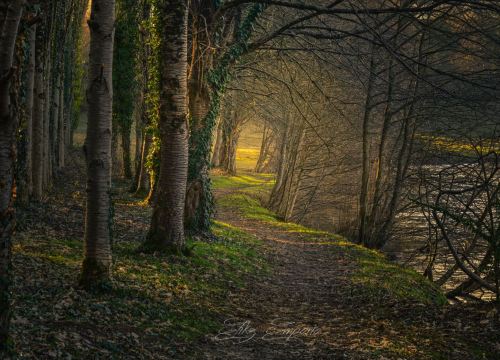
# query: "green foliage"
(152, 96)
(75, 79)
(124, 66)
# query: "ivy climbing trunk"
(167, 223)
(207, 87)
(10, 15)
(124, 83)
(199, 198)
(97, 262)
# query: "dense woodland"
(166, 164)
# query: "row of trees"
(167, 64)
(136, 49)
(40, 95)
(353, 113)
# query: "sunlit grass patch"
(381, 276)
(374, 273)
(257, 181)
(460, 146)
(249, 207)
(246, 158)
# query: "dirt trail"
(308, 308)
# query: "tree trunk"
(61, 147)
(116, 159)
(47, 170)
(199, 199)
(126, 160)
(143, 181)
(10, 15)
(97, 262)
(139, 142)
(216, 158)
(54, 143)
(365, 176)
(283, 156)
(230, 144)
(230, 166)
(38, 114)
(230, 136)
(30, 83)
(381, 159)
(167, 224)
(267, 140)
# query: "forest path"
(296, 310)
(309, 307)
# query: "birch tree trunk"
(167, 224)
(10, 15)
(97, 262)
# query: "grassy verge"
(157, 302)
(462, 147)
(374, 275)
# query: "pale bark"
(96, 266)
(167, 224)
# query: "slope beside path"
(325, 298)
